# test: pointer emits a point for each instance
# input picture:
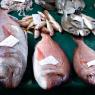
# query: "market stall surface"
(74, 86)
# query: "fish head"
(90, 75)
(47, 75)
(11, 69)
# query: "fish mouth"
(50, 76)
(50, 80)
(52, 69)
(3, 71)
(4, 75)
(9, 76)
(54, 74)
(60, 11)
(53, 80)
(91, 78)
(10, 71)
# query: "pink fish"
(13, 51)
(84, 62)
(50, 64)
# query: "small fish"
(70, 6)
(40, 25)
(42, 21)
(79, 25)
(30, 25)
(54, 23)
(74, 6)
(48, 16)
(43, 17)
(27, 18)
(47, 4)
(17, 5)
(50, 28)
(60, 5)
(25, 23)
(56, 26)
(36, 33)
(89, 21)
(50, 64)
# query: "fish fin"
(78, 39)
(40, 54)
(6, 30)
(44, 35)
(48, 6)
(82, 61)
(14, 18)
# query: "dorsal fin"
(6, 31)
(40, 54)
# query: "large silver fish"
(13, 51)
(50, 63)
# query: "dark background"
(74, 86)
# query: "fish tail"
(44, 35)
(78, 40)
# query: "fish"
(54, 23)
(41, 22)
(47, 4)
(60, 6)
(84, 61)
(17, 5)
(13, 51)
(50, 64)
(24, 23)
(89, 21)
(78, 25)
(50, 28)
(79, 4)
(70, 6)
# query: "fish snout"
(50, 81)
(3, 71)
(55, 80)
(10, 72)
(91, 79)
(4, 76)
